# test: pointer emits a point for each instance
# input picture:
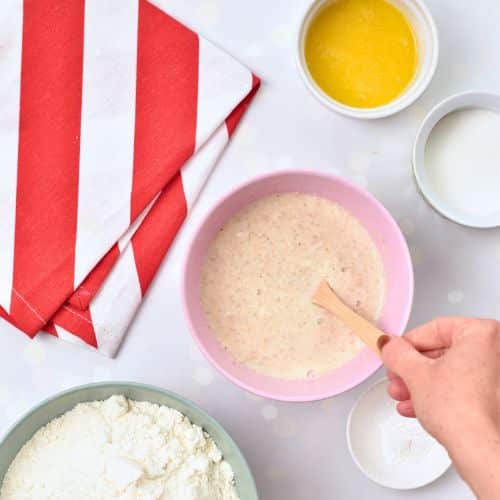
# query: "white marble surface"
(297, 451)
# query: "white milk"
(462, 159)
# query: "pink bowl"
(398, 273)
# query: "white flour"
(404, 440)
(392, 450)
(119, 449)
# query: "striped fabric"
(113, 115)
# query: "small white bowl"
(403, 464)
(472, 99)
(428, 49)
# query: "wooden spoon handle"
(373, 337)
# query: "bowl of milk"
(456, 159)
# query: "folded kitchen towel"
(112, 116)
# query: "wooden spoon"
(326, 298)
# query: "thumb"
(400, 357)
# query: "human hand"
(447, 374)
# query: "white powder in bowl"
(403, 440)
(119, 449)
(390, 449)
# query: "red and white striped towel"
(112, 115)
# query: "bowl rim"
(452, 103)
(361, 467)
(222, 200)
(118, 384)
(406, 99)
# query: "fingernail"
(383, 341)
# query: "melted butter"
(362, 53)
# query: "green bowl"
(65, 401)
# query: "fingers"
(480, 329)
(382, 341)
(434, 354)
(398, 390)
(405, 409)
(437, 334)
(401, 358)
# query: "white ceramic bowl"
(464, 100)
(402, 464)
(428, 49)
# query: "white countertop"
(296, 451)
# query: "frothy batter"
(260, 274)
